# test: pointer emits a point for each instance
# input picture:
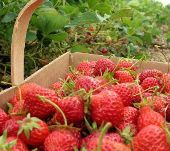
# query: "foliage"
(122, 27)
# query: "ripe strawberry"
(73, 108)
(126, 65)
(103, 65)
(36, 107)
(168, 110)
(33, 131)
(158, 103)
(104, 50)
(150, 73)
(165, 82)
(14, 100)
(123, 76)
(21, 93)
(136, 90)
(12, 127)
(61, 140)
(12, 144)
(107, 145)
(124, 92)
(86, 67)
(3, 118)
(105, 107)
(147, 116)
(150, 83)
(86, 82)
(150, 138)
(57, 86)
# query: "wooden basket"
(54, 70)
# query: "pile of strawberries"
(99, 106)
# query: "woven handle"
(18, 41)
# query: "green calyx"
(127, 134)
(6, 146)
(28, 124)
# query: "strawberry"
(150, 138)
(36, 107)
(61, 140)
(136, 90)
(158, 103)
(14, 100)
(86, 82)
(12, 144)
(33, 131)
(107, 145)
(124, 92)
(147, 116)
(21, 93)
(57, 86)
(126, 65)
(12, 127)
(168, 110)
(103, 65)
(123, 76)
(165, 82)
(150, 84)
(105, 107)
(3, 118)
(73, 108)
(86, 67)
(150, 73)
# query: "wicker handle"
(18, 41)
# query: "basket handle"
(18, 41)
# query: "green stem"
(102, 134)
(44, 99)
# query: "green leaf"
(147, 38)
(168, 36)
(69, 10)
(79, 48)
(103, 8)
(92, 3)
(58, 37)
(31, 36)
(9, 17)
(124, 12)
(85, 18)
(135, 40)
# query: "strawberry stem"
(102, 134)
(44, 99)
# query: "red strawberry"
(21, 93)
(147, 116)
(150, 138)
(150, 73)
(123, 76)
(124, 92)
(103, 65)
(86, 82)
(136, 90)
(36, 107)
(165, 82)
(33, 131)
(73, 108)
(150, 83)
(107, 145)
(105, 107)
(158, 103)
(12, 144)
(12, 127)
(3, 118)
(130, 115)
(168, 110)
(86, 67)
(126, 65)
(61, 140)
(57, 86)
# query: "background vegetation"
(126, 28)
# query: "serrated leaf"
(58, 37)
(9, 17)
(85, 18)
(79, 48)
